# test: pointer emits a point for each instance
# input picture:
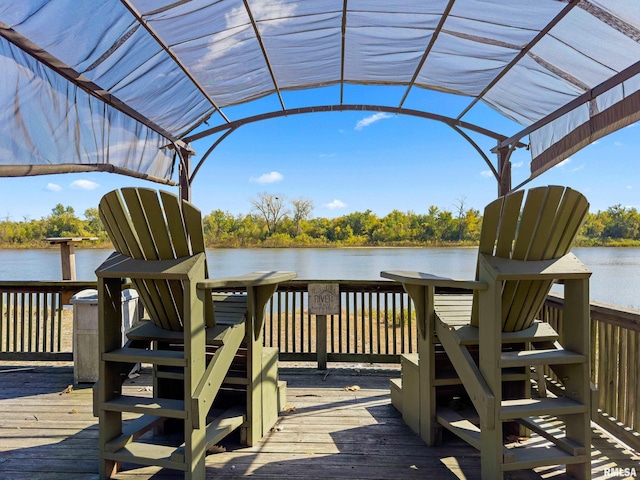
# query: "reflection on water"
(345, 263)
(615, 280)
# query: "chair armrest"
(260, 287)
(428, 280)
(122, 266)
(254, 279)
(566, 267)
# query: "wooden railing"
(34, 324)
(376, 324)
(615, 365)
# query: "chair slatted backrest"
(148, 225)
(543, 229)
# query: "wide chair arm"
(421, 288)
(429, 280)
(567, 267)
(260, 287)
(253, 279)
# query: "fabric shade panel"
(116, 84)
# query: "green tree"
(357, 224)
(621, 222)
(593, 226)
(319, 228)
(393, 227)
(447, 226)
(63, 223)
(473, 224)
(93, 225)
(249, 230)
(218, 227)
(430, 227)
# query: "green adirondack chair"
(191, 337)
(492, 337)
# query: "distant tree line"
(275, 222)
(62, 222)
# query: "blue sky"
(351, 161)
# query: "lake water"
(615, 280)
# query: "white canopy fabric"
(117, 85)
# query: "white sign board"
(324, 298)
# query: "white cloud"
(335, 204)
(629, 187)
(486, 174)
(517, 164)
(53, 187)
(566, 162)
(617, 144)
(365, 122)
(327, 155)
(272, 177)
(84, 185)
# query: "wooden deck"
(339, 425)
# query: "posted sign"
(324, 298)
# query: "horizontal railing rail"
(376, 324)
(615, 364)
(34, 325)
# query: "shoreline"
(108, 246)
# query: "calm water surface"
(615, 280)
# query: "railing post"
(324, 299)
(321, 341)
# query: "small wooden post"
(321, 341)
(324, 299)
(68, 254)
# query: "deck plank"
(339, 425)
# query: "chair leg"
(428, 423)
(195, 440)
(578, 427)
(252, 431)
(491, 453)
(110, 425)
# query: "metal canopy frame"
(80, 80)
(166, 48)
(523, 52)
(456, 124)
(259, 16)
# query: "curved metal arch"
(479, 150)
(456, 124)
(343, 108)
(208, 152)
